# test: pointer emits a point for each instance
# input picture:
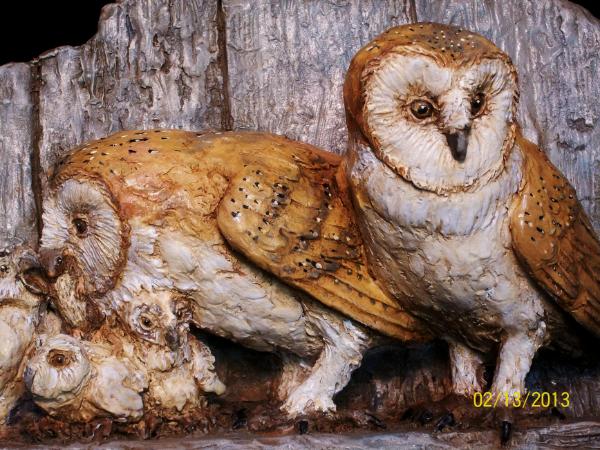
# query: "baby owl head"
(435, 103)
(159, 318)
(58, 370)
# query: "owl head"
(21, 275)
(159, 322)
(104, 201)
(435, 103)
(58, 371)
(157, 317)
(83, 233)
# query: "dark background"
(30, 28)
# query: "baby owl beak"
(32, 274)
(458, 141)
(172, 338)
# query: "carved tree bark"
(278, 66)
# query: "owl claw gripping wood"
(151, 210)
(467, 224)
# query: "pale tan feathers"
(308, 239)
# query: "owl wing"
(288, 212)
(554, 239)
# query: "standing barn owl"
(21, 311)
(80, 381)
(159, 209)
(467, 224)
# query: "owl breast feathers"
(469, 226)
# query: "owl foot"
(505, 432)
(506, 425)
(305, 401)
(447, 420)
(514, 362)
(466, 366)
(342, 352)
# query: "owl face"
(157, 318)
(58, 370)
(437, 105)
(21, 275)
(158, 323)
(84, 234)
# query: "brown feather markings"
(554, 240)
(282, 204)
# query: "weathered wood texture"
(151, 64)
(17, 203)
(552, 437)
(158, 63)
(287, 61)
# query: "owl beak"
(53, 262)
(32, 274)
(172, 338)
(28, 377)
(458, 141)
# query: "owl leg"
(343, 349)
(204, 368)
(516, 355)
(466, 366)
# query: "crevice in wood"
(412, 10)
(36, 138)
(226, 117)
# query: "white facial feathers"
(80, 218)
(58, 371)
(417, 148)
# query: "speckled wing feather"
(554, 239)
(289, 214)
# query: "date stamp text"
(517, 400)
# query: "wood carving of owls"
(468, 225)
(146, 210)
(441, 221)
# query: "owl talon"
(505, 432)
(447, 420)
(303, 427)
(301, 402)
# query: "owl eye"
(421, 109)
(477, 103)
(3, 269)
(146, 323)
(58, 359)
(81, 226)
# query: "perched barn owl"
(79, 381)
(152, 331)
(467, 224)
(20, 314)
(145, 210)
